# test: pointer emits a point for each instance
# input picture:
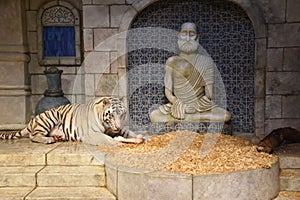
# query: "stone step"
(71, 176)
(75, 154)
(64, 193)
(290, 180)
(18, 176)
(284, 195)
(289, 157)
(14, 193)
(23, 152)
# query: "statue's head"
(188, 40)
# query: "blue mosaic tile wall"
(226, 33)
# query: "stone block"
(261, 53)
(89, 84)
(38, 84)
(67, 84)
(23, 153)
(257, 184)
(122, 82)
(11, 193)
(70, 70)
(13, 109)
(95, 16)
(107, 85)
(35, 4)
(291, 59)
(175, 186)
(284, 35)
(275, 59)
(18, 176)
(275, 12)
(291, 106)
(273, 106)
(60, 193)
(86, 2)
(109, 2)
(34, 101)
(11, 32)
(116, 62)
(72, 153)
(32, 42)
(140, 5)
(259, 115)
(290, 180)
(260, 83)
(8, 73)
(68, 176)
(126, 19)
(271, 124)
(283, 83)
(292, 11)
(97, 62)
(289, 157)
(104, 39)
(117, 14)
(111, 171)
(31, 17)
(132, 183)
(34, 67)
(88, 39)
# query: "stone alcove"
(231, 33)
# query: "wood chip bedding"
(191, 153)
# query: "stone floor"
(32, 171)
(73, 170)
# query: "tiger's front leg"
(128, 136)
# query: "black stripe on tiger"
(10, 136)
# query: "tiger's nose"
(117, 127)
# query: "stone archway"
(254, 120)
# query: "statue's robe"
(190, 89)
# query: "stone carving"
(189, 83)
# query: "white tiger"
(95, 123)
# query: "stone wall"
(14, 84)
(276, 24)
(283, 65)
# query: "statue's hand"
(190, 110)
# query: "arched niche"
(254, 99)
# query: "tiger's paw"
(57, 138)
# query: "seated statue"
(189, 83)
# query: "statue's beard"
(188, 46)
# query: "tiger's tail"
(13, 136)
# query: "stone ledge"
(290, 180)
(147, 184)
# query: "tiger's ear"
(105, 101)
(122, 99)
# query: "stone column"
(14, 81)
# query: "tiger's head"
(111, 113)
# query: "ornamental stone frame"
(72, 21)
(258, 20)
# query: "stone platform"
(32, 171)
(71, 170)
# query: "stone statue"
(189, 83)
